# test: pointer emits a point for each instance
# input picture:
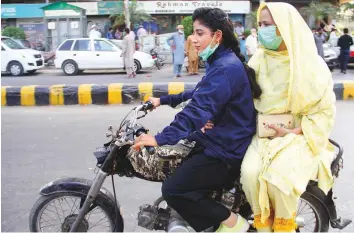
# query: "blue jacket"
(223, 96)
(110, 35)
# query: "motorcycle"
(86, 199)
(157, 58)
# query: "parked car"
(76, 55)
(330, 56)
(17, 60)
(333, 44)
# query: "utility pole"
(126, 13)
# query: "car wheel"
(31, 71)
(137, 66)
(70, 68)
(15, 68)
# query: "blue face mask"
(208, 51)
(269, 38)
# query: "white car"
(17, 60)
(76, 55)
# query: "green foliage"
(252, 17)
(14, 32)
(320, 10)
(188, 25)
(247, 32)
(348, 6)
(137, 16)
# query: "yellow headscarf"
(308, 72)
(310, 93)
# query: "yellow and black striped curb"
(114, 93)
(84, 94)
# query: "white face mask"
(181, 31)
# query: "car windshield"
(11, 43)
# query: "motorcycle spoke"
(77, 207)
(71, 210)
(299, 211)
(61, 208)
(48, 225)
(89, 214)
(308, 221)
(49, 217)
(54, 213)
(98, 222)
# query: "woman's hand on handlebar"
(155, 101)
(144, 140)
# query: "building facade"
(29, 15)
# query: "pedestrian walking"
(320, 39)
(128, 53)
(192, 55)
(252, 43)
(94, 33)
(177, 46)
(344, 43)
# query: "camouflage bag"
(159, 166)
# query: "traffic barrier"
(114, 93)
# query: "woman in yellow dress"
(296, 81)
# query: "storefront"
(27, 16)
(168, 14)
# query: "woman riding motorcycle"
(225, 96)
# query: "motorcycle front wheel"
(57, 212)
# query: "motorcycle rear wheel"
(309, 207)
(38, 220)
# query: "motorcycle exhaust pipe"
(176, 223)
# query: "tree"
(252, 19)
(348, 6)
(135, 14)
(188, 25)
(320, 10)
(14, 32)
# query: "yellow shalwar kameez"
(276, 172)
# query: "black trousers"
(344, 59)
(187, 190)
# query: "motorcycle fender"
(72, 184)
(325, 200)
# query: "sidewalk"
(168, 69)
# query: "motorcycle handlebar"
(147, 106)
(150, 149)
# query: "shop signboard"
(21, 11)
(188, 7)
(109, 8)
